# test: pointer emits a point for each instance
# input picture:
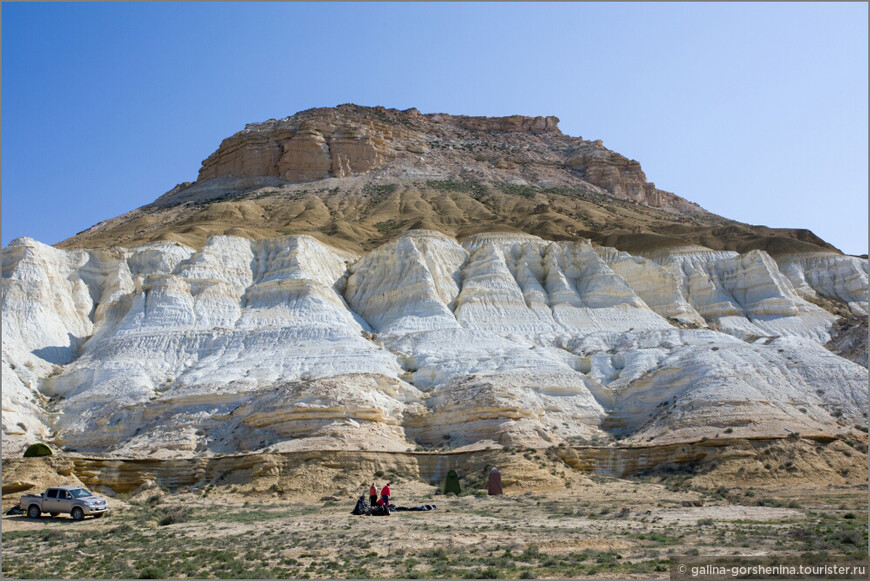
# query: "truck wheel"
(54, 513)
(78, 514)
(33, 511)
(99, 515)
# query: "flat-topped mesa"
(344, 141)
(349, 140)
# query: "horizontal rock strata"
(349, 140)
(288, 344)
(727, 460)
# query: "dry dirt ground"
(591, 527)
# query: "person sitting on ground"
(373, 495)
(385, 494)
(381, 506)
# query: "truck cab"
(55, 500)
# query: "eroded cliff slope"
(498, 338)
(363, 278)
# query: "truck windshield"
(80, 493)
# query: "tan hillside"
(357, 177)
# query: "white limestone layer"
(832, 276)
(288, 343)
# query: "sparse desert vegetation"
(599, 527)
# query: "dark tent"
(494, 482)
(452, 483)
(38, 449)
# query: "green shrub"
(172, 515)
(379, 191)
(531, 552)
(468, 186)
(152, 573)
(849, 538)
(389, 226)
(517, 190)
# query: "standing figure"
(494, 485)
(373, 495)
(385, 495)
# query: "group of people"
(384, 500)
(381, 506)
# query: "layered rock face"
(499, 338)
(350, 140)
(819, 274)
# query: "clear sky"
(757, 112)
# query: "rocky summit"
(361, 278)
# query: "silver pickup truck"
(74, 500)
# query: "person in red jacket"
(385, 506)
(385, 494)
(373, 494)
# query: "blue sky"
(758, 112)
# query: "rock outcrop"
(350, 140)
(615, 173)
(162, 350)
(828, 275)
(849, 338)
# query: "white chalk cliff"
(288, 343)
